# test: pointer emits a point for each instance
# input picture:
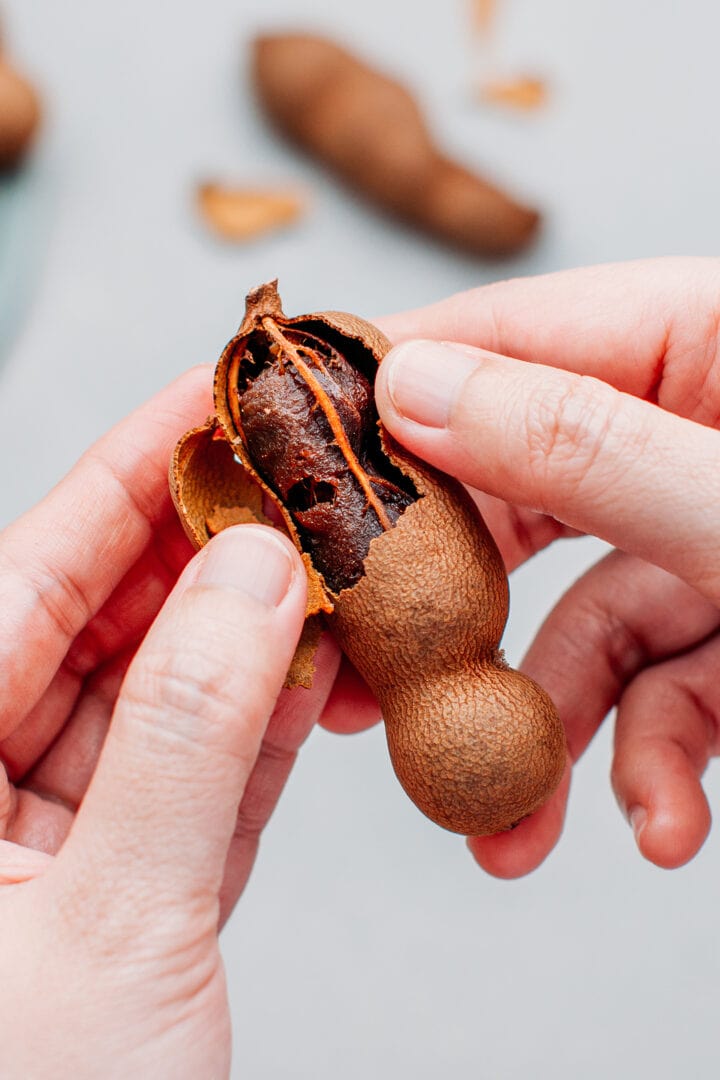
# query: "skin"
(144, 737)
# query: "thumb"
(570, 446)
(187, 728)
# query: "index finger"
(571, 446)
(61, 561)
(630, 324)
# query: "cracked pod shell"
(476, 745)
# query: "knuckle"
(690, 383)
(188, 696)
(567, 424)
(191, 681)
(54, 592)
(618, 639)
(203, 672)
(271, 770)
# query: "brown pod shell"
(19, 115)
(211, 491)
(370, 131)
(476, 745)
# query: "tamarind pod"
(476, 745)
(419, 602)
(369, 130)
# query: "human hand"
(632, 459)
(124, 845)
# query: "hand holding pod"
(399, 561)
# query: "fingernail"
(252, 559)
(638, 820)
(426, 378)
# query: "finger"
(135, 601)
(518, 533)
(60, 562)
(59, 782)
(121, 622)
(294, 716)
(187, 729)
(19, 864)
(31, 820)
(350, 707)
(521, 850)
(647, 327)
(65, 771)
(6, 802)
(572, 447)
(38, 822)
(623, 615)
(620, 617)
(665, 733)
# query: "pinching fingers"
(190, 719)
(571, 446)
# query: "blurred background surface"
(368, 944)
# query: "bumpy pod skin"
(476, 745)
(369, 130)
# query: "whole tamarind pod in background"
(399, 561)
(369, 130)
(19, 115)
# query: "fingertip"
(255, 559)
(518, 852)
(255, 532)
(351, 707)
(669, 836)
(656, 779)
(383, 397)
(510, 855)
(419, 381)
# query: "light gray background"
(368, 944)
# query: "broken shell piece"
(520, 93)
(242, 214)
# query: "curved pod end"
(477, 751)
